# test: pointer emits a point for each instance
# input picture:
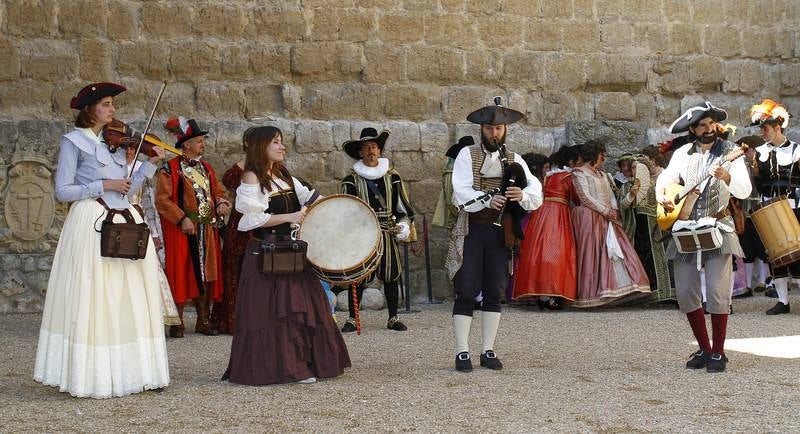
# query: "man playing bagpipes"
(487, 225)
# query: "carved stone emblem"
(29, 201)
(30, 217)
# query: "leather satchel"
(283, 255)
(127, 240)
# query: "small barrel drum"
(344, 239)
(779, 230)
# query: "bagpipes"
(511, 214)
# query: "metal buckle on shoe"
(490, 355)
(462, 356)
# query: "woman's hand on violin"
(497, 202)
(120, 185)
(159, 155)
(514, 194)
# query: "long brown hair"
(86, 118)
(256, 140)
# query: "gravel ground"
(618, 370)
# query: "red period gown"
(547, 264)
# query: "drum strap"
(374, 189)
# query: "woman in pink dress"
(608, 268)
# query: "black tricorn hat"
(495, 114)
(462, 143)
(751, 141)
(95, 92)
(695, 114)
(184, 129)
(351, 147)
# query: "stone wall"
(323, 69)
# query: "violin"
(118, 134)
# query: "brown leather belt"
(722, 214)
(484, 216)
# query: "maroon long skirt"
(284, 329)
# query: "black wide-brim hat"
(495, 114)
(95, 92)
(352, 147)
(695, 114)
(463, 142)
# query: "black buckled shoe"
(698, 360)
(716, 363)
(489, 360)
(463, 362)
(349, 326)
(395, 324)
(778, 309)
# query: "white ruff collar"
(783, 154)
(371, 173)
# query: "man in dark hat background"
(477, 259)
(689, 165)
(191, 203)
(776, 172)
(376, 182)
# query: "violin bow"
(147, 127)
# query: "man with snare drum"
(776, 172)
(374, 181)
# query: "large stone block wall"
(323, 69)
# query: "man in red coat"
(192, 204)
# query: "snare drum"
(344, 239)
(779, 230)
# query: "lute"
(684, 198)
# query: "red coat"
(179, 266)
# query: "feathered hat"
(769, 112)
(183, 129)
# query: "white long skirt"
(102, 331)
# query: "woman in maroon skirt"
(284, 332)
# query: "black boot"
(489, 360)
(778, 309)
(463, 362)
(349, 326)
(717, 363)
(698, 360)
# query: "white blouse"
(252, 202)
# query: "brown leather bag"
(123, 240)
(735, 208)
(282, 255)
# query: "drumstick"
(355, 303)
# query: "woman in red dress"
(547, 255)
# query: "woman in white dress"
(102, 333)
